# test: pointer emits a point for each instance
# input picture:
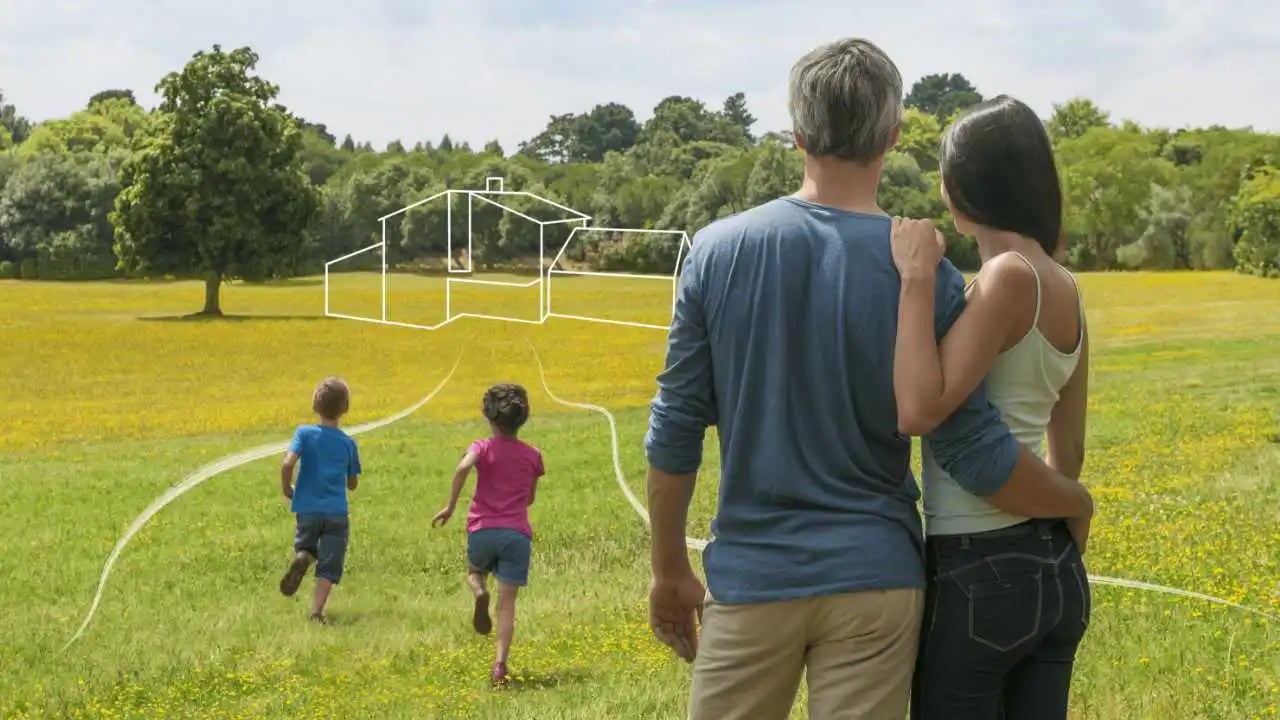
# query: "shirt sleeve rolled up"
(685, 403)
(974, 445)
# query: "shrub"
(28, 269)
(8, 270)
(1255, 224)
(74, 255)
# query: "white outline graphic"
(674, 278)
(618, 474)
(220, 466)
(493, 194)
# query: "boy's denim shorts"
(501, 551)
(325, 537)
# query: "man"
(783, 336)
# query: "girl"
(1008, 598)
(499, 537)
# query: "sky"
(498, 69)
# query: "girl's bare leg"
(478, 583)
(506, 618)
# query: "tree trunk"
(212, 286)
(1182, 250)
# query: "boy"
(330, 467)
(499, 537)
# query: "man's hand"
(442, 517)
(918, 247)
(288, 491)
(674, 602)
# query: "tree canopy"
(220, 182)
(942, 95)
(215, 185)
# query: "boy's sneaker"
(499, 674)
(480, 619)
(297, 570)
(319, 618)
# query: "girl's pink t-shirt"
(506, 469)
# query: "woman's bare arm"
(1066, 429)
(931, 380)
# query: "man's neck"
(326, 422)
(841, 184)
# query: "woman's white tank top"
(1024, 384)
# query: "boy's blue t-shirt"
(328, 457)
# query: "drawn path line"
(700, 544)
(695, 543)
(220, 466)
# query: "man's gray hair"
(846, 100)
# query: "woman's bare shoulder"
(1008, 275)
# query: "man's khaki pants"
(858, 649)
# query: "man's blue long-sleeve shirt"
(783, 337)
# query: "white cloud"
(479, 71)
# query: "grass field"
(110, 398)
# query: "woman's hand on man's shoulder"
(918, 247)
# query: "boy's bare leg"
(323, 587)
(506, 618)
(478, 583)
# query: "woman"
(1008, 599)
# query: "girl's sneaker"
(499, 674)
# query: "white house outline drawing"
(492, 195)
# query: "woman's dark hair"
(506, 406)
(997, 165)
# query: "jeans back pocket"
(1006, 612)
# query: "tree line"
(220, 181)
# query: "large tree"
(943, 94)
(735, 109)
(1107, 176)
(1076, 117)
(54, 208)
(690, 121)
(1166, 243)
(114, 94)
(107, 126)
(320, 158)
(215, 185)
(553, 144)
(318, 128)
(1222, 159)
(1255, 223)
(920, 136)
(778, 171)
(607, 128)
(586, 137)
(17, 126)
